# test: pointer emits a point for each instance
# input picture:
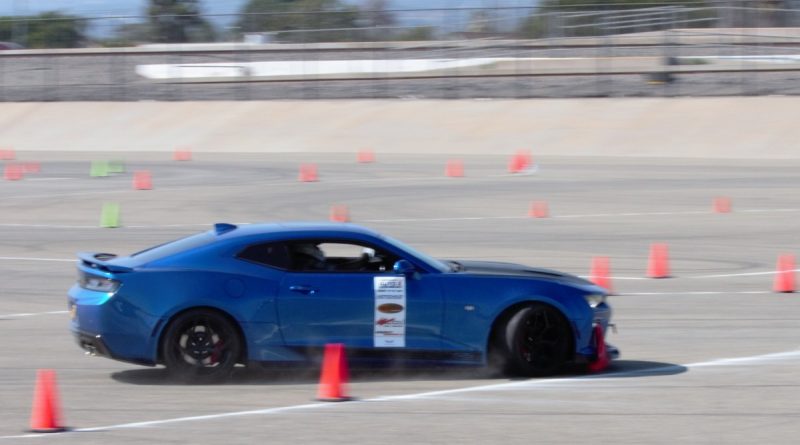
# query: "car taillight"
(97, 283)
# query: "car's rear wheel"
(201, 346)
(534, 342)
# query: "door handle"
(305, 290)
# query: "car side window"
(308, 256)
(268, 254)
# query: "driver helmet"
(310, 250)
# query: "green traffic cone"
(116, 166)
(110, 216)
(99, 169)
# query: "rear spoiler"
(99, 261)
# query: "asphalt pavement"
(709, 355)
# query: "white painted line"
(47, 226)
(59, 195)
(32, 314)
(457, 218)
(588, 277)
(736, 361)
(744, 274)
(48, 179)
(767, 210)
(18, 258)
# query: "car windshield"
(173, 247)
(433, 262)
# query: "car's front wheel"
(201, 346)
(535, 341)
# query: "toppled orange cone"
(722, 204)
(13, 172)
(365, 156)
(308, 173)
(340, 213)
(784, 278)
(601, 272)
(333, 381)
(7, 154)
(658, 266)
(182, 154)
(454, 168)
(32, 167)
(539, 209)
(46, 412)
(142, 180)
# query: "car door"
(346, 302)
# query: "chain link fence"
(514, 52)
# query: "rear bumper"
(94, 344)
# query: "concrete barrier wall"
(750, 127)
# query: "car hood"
(519, 270)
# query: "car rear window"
(268, 254)
(173, 247)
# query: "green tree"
(128, 34)
(299, 20)
(576, 18)
(378, 21)
(178, 21)
(46, 30)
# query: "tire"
(201, 346)
(534, 342)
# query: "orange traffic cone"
(308, 173)
(784, 278)
(658, 266)
(519, 162)
(46, 412)
(365, 156)
(601, 272)
(184, 154)
(454, 168)
(340, 213)
(538, 209)
(602, 361)
(142, 180)
(333, 381)
(13, 172)
(722, 204)
(515, 164)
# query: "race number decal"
(390, 312)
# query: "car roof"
(295, 228)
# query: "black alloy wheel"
(536, 341)
(201, 346)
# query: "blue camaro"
(278, 293)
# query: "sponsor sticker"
(390, 312)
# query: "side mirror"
(403, 267)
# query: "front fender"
(474, 304)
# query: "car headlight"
(595, 300)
